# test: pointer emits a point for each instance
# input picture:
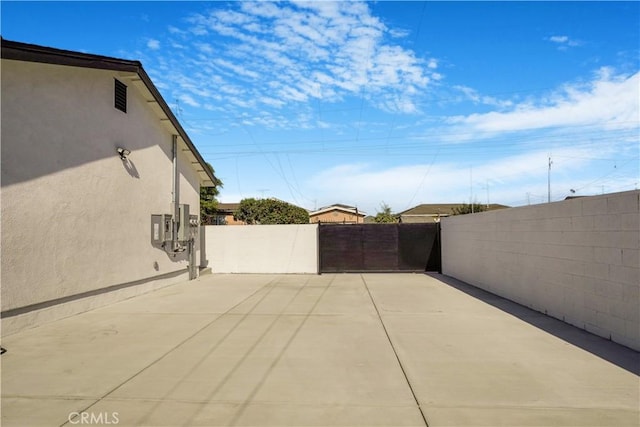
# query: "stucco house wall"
(576, 260)
(76, 219)
(230, 220)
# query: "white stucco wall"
(576, 260)
(75, 217)
(262, 248)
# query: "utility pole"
(471, 187)
(487, 194)
(549, 181)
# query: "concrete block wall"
(577, 260)
(276, 249)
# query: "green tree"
(270, 211)
(467, 208)
(385, 216)
(208, 201)
(248, 211)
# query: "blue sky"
(368, 102)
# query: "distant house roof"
(442, 209)
(227, 207)
(431, 209)
(33, 53)
(339, 207)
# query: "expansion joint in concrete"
(406, 377)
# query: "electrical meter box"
(194, 223)
(184, 227)
(161, 229)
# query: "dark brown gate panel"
(418, 249)
(379, 247)
(340, 248)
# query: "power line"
(424, 177)
(411, 149)
(474, 137)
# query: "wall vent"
(120, 96)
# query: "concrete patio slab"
(329, 350)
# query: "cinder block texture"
(274, 249)
(577, 260)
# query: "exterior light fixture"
(123, 152)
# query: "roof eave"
(353, 212)
(209, 179)
(48, 55)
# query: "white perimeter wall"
(576, 260)
(262, 248)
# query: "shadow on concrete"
(610, 351)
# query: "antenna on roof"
(177, 108)
(549, 181)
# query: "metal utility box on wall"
(194, 225)
(185, 227)
(161, 229)
(183, 224)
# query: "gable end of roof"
(19, 51)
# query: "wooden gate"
(379, 247)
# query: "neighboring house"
(337, 213)
(434, 212)
(224, 214)
(100, 185)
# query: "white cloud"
(272, 101)
(188, 99)
(475, 97)
(312, 50)
(205, 48)
(237, 69)
(559, 39)
(563, 42)
(609, 101)
(399, 33)
(153, 44)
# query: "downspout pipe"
(175, 196)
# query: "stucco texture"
(75, 217)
